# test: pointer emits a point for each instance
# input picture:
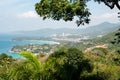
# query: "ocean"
(6, 43)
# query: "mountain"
(101, 29)
(104, 27)
(92, 31)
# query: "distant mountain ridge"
(100, 29)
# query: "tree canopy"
(68, 10)
(64, 9)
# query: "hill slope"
(93, 31)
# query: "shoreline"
(39, 41)
(34, 47)
(11, 43)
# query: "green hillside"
(107, 39)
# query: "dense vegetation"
(63, 64)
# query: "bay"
(6, 43)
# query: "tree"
(26, 70)
(116, 40)
(5, 59)
(67, 10)
(75, 64)
(68, 64)
(5, 63)
(64, 9)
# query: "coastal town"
(63, 39)
(44, 48)
(35, 48)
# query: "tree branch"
(110, 6)
(117, 5)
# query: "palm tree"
(27, 69)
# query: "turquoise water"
(6, 44)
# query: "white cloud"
(106, 17)
(29, 14)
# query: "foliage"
(63, 9)
(105, 66)
(68, 64)
(116, 40)
(21, 71)
(97, 76)
(31, 59)
(5, 63)
(5, 60)
(116, 59)
(27, 69)
(65, 64)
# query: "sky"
(20, 15)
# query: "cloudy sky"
(20, 15)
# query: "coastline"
(7, 43)
(35, 46)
